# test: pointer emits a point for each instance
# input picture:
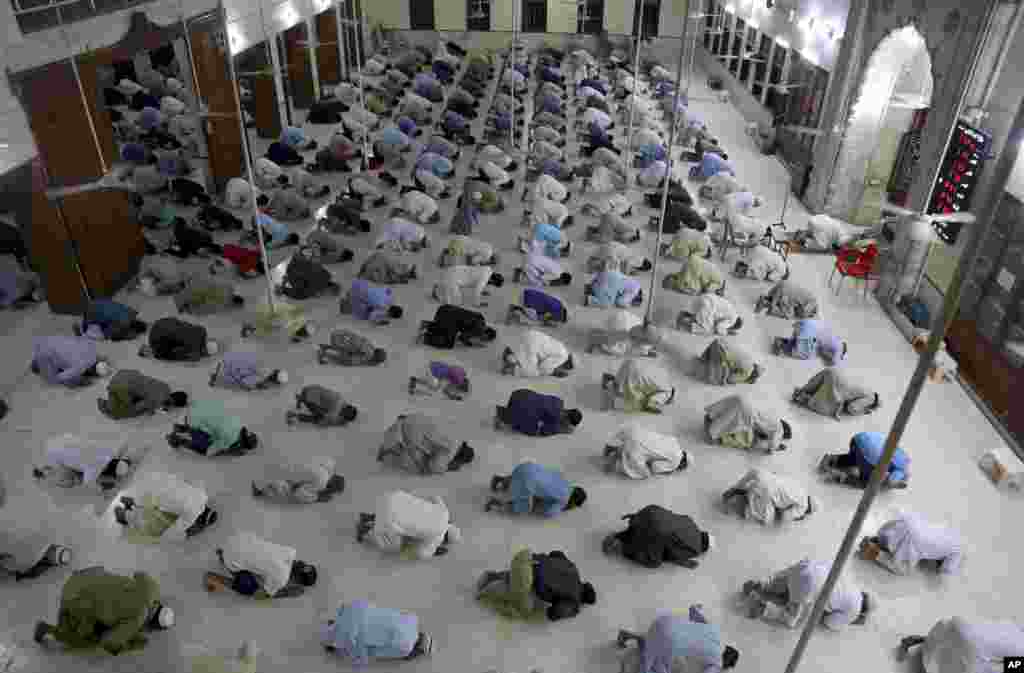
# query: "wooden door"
(101, 224)
(300, 69)
(224, 137)
(266, 112)
(52, 250)
(88, 65)
(328, 60)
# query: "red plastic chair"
(855, 264)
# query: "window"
(590, 16)
(737, 44)
(421, 14)
(36, 15)
(478, 15)
(761, 65)
(535, 16)
(749, 53)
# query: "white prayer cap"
(282, 376)
(711, 541)
(102, 368)
(166, 617)
(212, 347)
(122, 468)
(477, 196)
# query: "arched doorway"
(894, 96)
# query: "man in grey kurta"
(831, 393)
(387, 268)
(415, 443)
(321, 406)
(788, 596)
(301, 482)
(788, 300)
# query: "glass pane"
(941, 264)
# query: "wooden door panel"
(266, 112)
(87, 72)
(300, 69)
(51, 251)
(327, 59)
(59, 125)
(224, 137)
(109, 237)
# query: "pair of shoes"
(497, 483)
(491, 504)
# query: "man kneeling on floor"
(261, 569)
(656, 535)
(302, 483)
(209, 431)
(538, 308)
(536, 584)
(641, 453)
(175, 340)
(164, 506)
(131, 394)
(107, 319)
(361, 632)
(350, 349)
(424, 523)
(67, 361)
(788, 596)
(535, 489)
(73, 460)
(642, 385)
(450, 379)
(854, 468)
(734, 421)
(534, 353)
(768, 497)
(99, 608)
(909, 540)
(321, 406)
(366, 301)
(245, 371)
(673, 640)
(416, 444)
(536, 414)
(455, 324)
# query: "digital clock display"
(958, 177)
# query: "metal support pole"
(638, 36)
(988, 204)
(248, 157)
(312, 44)
(341, 40)
(358, 24)
(512, 60)
(85, 102)
(668, 172)
(192, 60)
(275, 65)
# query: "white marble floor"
(944, 438)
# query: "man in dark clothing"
(535, 579)
(305, 279)
(178, 341)
(656, 535)
(537, 414)
(453, 324)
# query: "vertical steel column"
(988, 204)
(85, 102)
(275, 64)
(342, 50)
(671, 164)
(637, 36)
(312, 40)
(248, 155)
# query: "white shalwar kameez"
(646, 453)
(402, 516)
(770, 494)
(463, 285)
(270, 562)
(538, 354)
(419, 205)
(956, 645)
(911, 539)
